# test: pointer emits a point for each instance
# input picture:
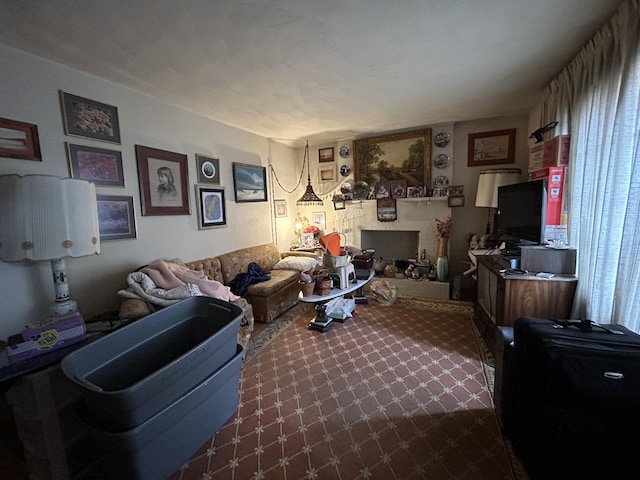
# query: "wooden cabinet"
(502, 298)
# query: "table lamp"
(44, 217)
(487, 193)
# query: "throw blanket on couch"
(255, 274)
(165, 283)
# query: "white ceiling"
(317, 70)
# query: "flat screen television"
(521, 213)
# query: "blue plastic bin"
(136, 371)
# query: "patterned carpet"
(399, 392)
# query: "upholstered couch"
(271, 298)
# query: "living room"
(32, 90)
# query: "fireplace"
(391, 244)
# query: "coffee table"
(322, 322)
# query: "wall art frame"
(87, 118)
(320, 220)
(455, 201)
(249, 183)
(98, 165)
(116, 217)
(325, 155)
(19, 140)
(327, 173)
(491, 148)
(208, 169)
(212, 207)
(280, 208)
(386, 209)
(163, 180)
(396, 156)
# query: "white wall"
(29, 93)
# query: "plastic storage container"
(134, 372)
(162, 444)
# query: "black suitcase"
(572, 404)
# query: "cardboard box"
(556, 212)
(536, 156)
(556, 151)
(51, 334)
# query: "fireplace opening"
(391, 244)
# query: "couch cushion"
(210, 266)
(236, 262)
(300, 264)
(279, 279)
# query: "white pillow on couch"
(302, 264)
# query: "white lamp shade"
(45, 217)
(490, 180)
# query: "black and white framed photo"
(212, 209)
(249, 183)
(208, 169)
(116, 218)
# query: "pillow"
(292, 262)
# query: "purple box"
(58, 332)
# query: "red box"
(56, 332)
(556, 151)
(556, 213)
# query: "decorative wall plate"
(442, 161)
(344, 151)
(441, 181)
(442, 139)
(345, 170)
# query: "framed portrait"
(386, 209)
(399, 156)
(19, 140)
(491, 148)
(455, 201)
(382, 189)
(116, 218)
(249, 183)
(320, 220)
(280, 207)
(163, 180)
(455, 190)
(327, 173)
(212, 208)
(98, 165)
(399, 188)
(325, 155)
(208, 169)
(90, 119)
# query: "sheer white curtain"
(596, 99)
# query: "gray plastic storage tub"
(131, 374)
(158, 447)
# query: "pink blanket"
(169, 275)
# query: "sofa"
(271, 298)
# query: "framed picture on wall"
(280, 207)
(212, 208)
(98, 165)
(399, 156)
(116, 218)
(90, 119)
(19, 140)
(325, 155)
(163, 181)
(249, 183)
(208, 169)
(386, 209)
(491, 148)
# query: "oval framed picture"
(456, 201)
(208, 169)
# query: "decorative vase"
(442, 263)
